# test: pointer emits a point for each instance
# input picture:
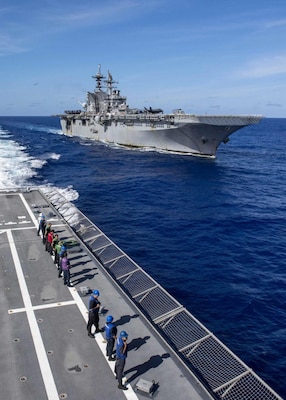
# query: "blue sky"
(204, 56)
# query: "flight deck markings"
(45, 368)
(43, 306)
(34, 219)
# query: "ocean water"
(212, 232)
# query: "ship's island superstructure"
(106, 117)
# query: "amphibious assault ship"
(106, 117)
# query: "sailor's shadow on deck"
(77, 257)
(81, 263)
(124, 319)
(140, 369)
(83, 257)
(58, 232)
(135, 344)
(83, 275)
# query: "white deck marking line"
(22, 228)
(45, 368)
(57, 225)
(34, 219)
(129, 394)
(43, 306)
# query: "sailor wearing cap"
(42, 224)
(93, 313)
(110, 336)
(121, 355)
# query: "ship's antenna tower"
(109, 83)
(98, 77)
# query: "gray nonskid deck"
(45, 352)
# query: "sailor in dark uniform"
(93, 313)
(121, 355)
(110, 336)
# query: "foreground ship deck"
(45, 350)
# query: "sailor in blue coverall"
(121, 355)
(93, 313)
(110, 336)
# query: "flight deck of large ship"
(46, 352)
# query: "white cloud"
(100, 14)
(9, 45)
(264, 67)
(273, 24)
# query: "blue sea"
(211, 232)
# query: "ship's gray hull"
(188, 134)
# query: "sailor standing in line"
(66, 269)
(54, 243)
(42, 224)
(49, 241)
(61, 254)
(93, 313)
(110, 336)
(121, 355)
(57, 250)
(48, 228)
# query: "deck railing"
(224, 375)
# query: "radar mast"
(109, 83)
(98, 77)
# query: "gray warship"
(106, 117)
